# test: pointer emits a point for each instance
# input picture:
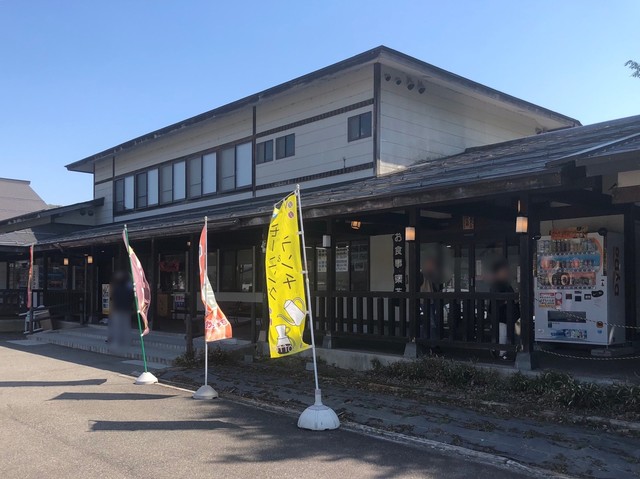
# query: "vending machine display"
(579, 288)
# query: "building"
(388, 151)
(16, 198)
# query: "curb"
(450, 450)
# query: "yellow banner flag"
(285, 282)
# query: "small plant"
(187, 360)
(194, 360)
(549, 389)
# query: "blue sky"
(77, 77)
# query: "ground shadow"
(109, 397)
(39, 384)
(160, 425)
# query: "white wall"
(104, 213)
(438, 123)
(218, 131)
(321, 145)
(381, 263)
(321, 96)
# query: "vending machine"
(579, 288)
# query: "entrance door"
(460, 270)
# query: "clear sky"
(77, 77)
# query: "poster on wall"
(106, 298)
(321, 254)
(179, 301)
(399, 266)
(342, 260)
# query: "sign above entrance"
(399, 266)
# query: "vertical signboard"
(399, 266)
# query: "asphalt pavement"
(68, 413)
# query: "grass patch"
(195, 360)
(548, 390)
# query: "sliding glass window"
(141, 190)
(195, 177)
(152, 187)
(129, 189)
(227, 169)
(244, 165)
(209, 173)
(166, 184)
(179, 181)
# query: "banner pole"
(144, 355)
(206, 272)
(317, 417)
(308, 288)
(205, 391)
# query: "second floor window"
(166, 184)
(359, 126)
(179, 177)
(264, 152)
(285, 146)
(224, 170)
(141, 190)
(235, 169)
(124, 194)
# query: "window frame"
(145, 177)
(285, 140)
(190, 184)
(360, 135)
(167, 197)
(264, 147)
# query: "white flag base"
(318, 417)
(205, 392)
(146, 378)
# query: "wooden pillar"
(525, 359)
(193, 281)
(630, 258)
(254, 277)
(153, 284)
(413, 269)
(45, 276)
(328, 341)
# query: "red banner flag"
(216, 324)
(30, 281)
(141, 287)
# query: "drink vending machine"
(579, 288)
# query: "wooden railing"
(460, 319)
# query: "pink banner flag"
(30, 281)
(141, 287)
(216, 324)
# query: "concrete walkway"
(161, 348)
(560, 448)
(66, 413)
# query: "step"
(163, 349)
(155, 355)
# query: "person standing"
(121, 307)
(500, 283)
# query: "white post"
(317, 417)
(308, 288)
(206, 363)
(206, 391)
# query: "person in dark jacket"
(500, 283)
(121, 308)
